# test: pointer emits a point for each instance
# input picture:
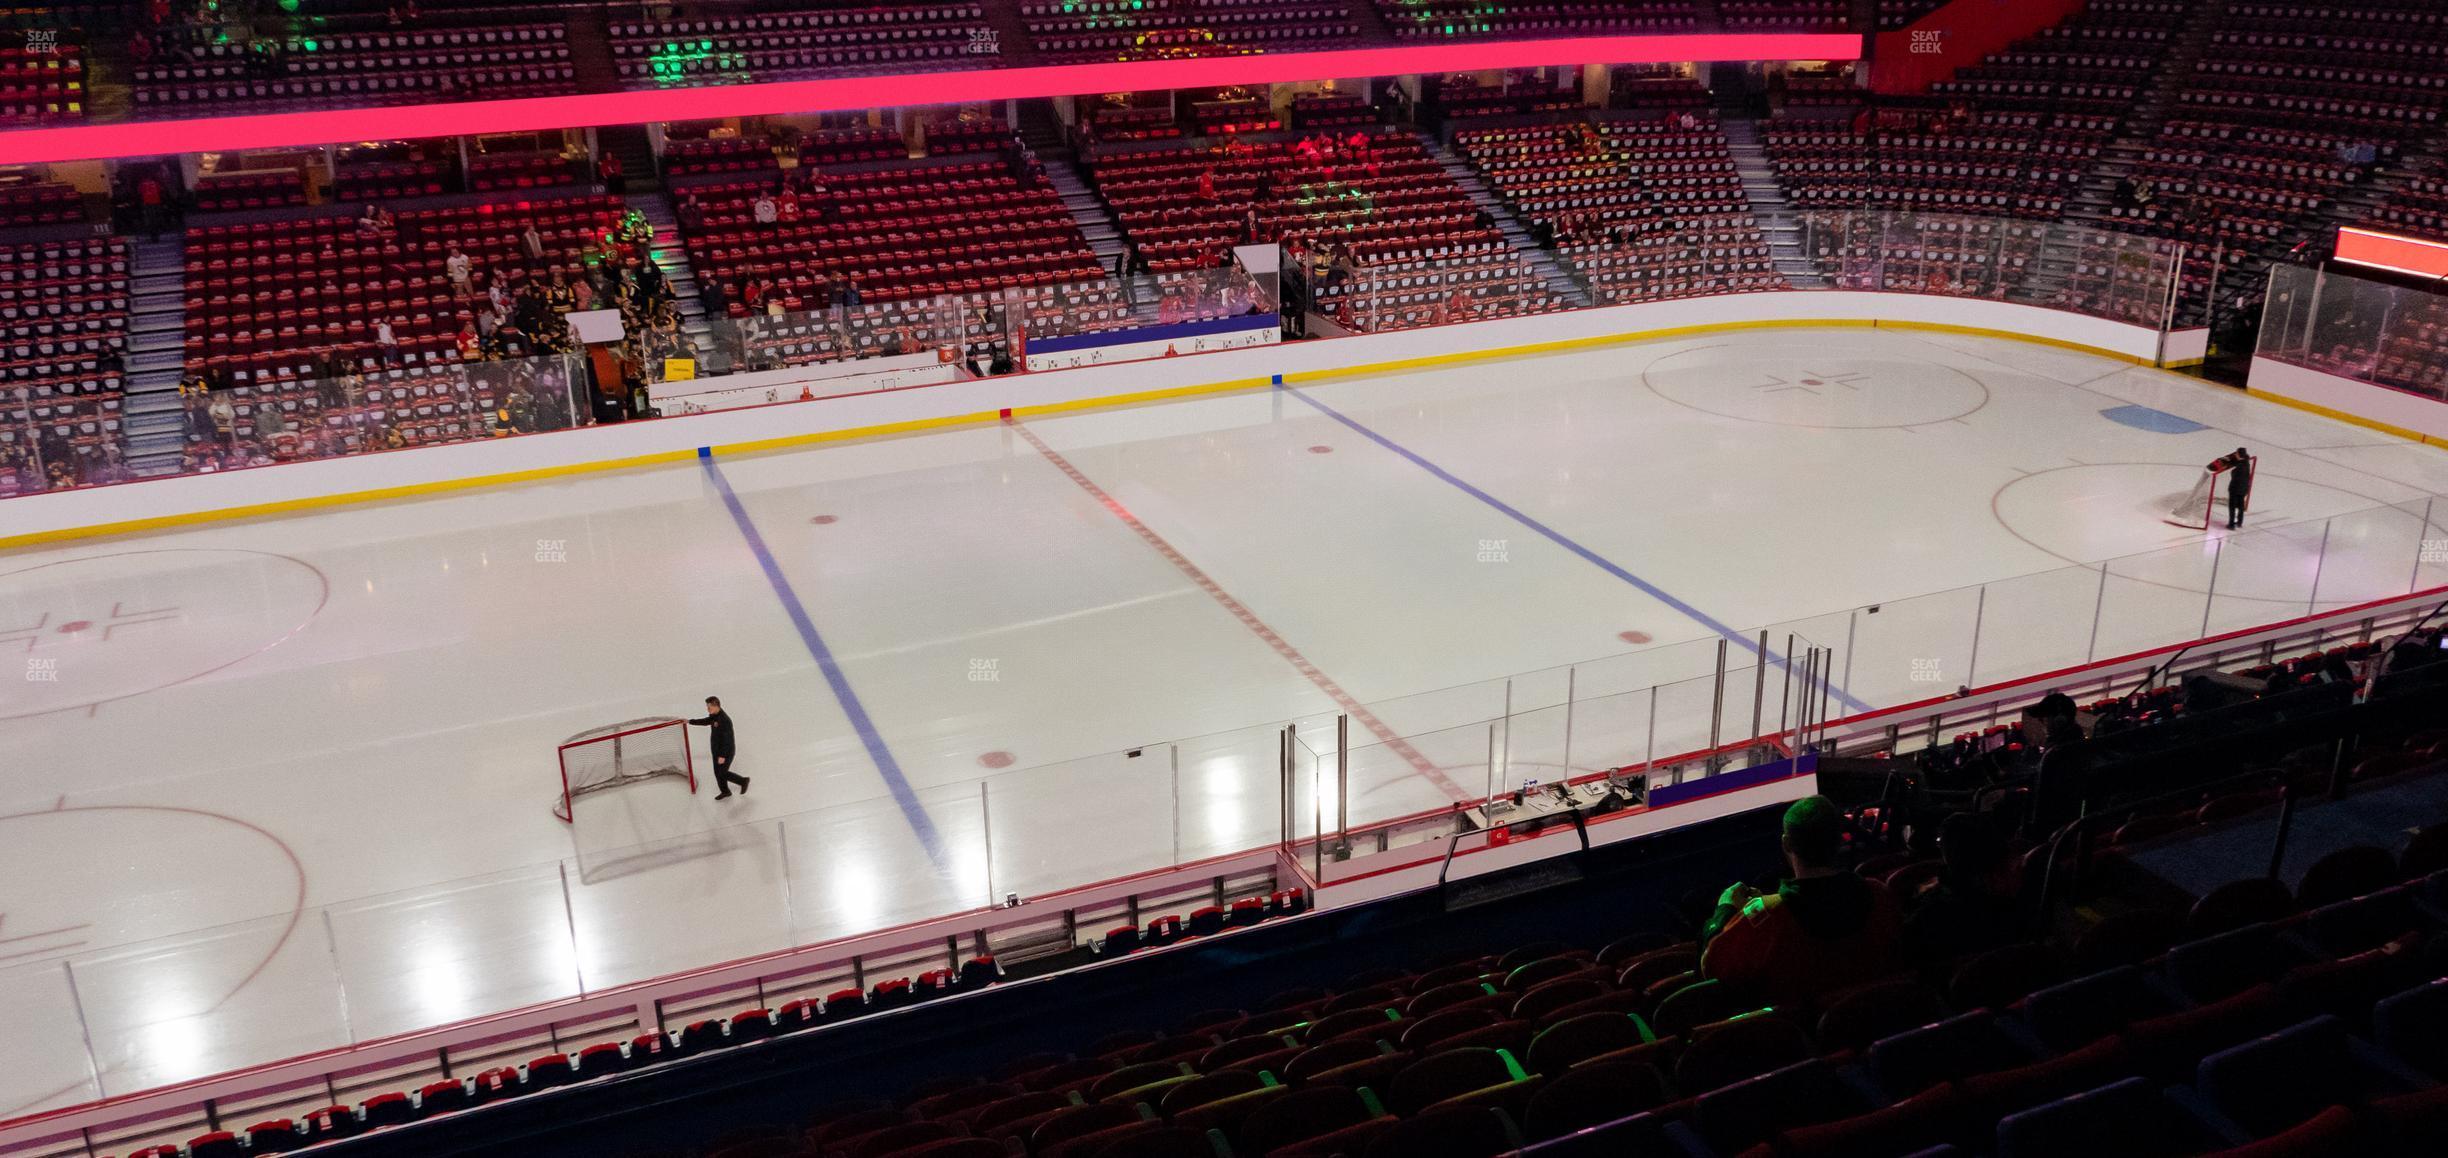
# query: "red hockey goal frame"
(2202, 502)
(623, 737)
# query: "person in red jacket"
(1825, 928)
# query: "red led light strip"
(2391, 252)
(336, 126)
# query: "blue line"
(1595, 559)
(890, 768)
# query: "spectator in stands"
(387, 338)
(517, 415)
(374, 222)
(1824, 929)
(152, 205)
(223, 414)
(1125, 263)
(341, 391)
(765, 210)
(195, 401)
(531, 243)
(1972, 906)
(462, 273)
(608, 170)
(1207, 186)
(1458, 308)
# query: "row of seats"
(367, 179)
(35, 202)
(2419, 206)
(1184, 207)
(1091, 30)
(981, 324)
(428, 404)
(655, 1047)
(1786, 15)
(2286, 111)
(1458, 98)
(1643, 208)
(901, 233)
(2015, 135)
(386, 67)
(42, 77)
(270, 294)
(64, 309)
(868, 37)
(1469, 281)
(1459, 19)
(249, 189)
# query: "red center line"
(1249, 619)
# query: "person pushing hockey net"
(2239, 470)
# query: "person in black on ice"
(720, 741)
(2239, 485)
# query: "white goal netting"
(2206, 504)
(623, 753)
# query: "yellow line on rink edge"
(2351, 419)
(1102, 402)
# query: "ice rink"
(273, 786)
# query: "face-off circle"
(152, 939)
(81, 632)
(2117, 511)
(1814, 387)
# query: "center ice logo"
(42, 670)
(985, 671)
(552, 551)
(1493, 551)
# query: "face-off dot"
(824, 520)
(107, 627)
(1634, 636)
(996, 759)
(1321, 450)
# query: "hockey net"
(2206, 504)
(623, 753)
